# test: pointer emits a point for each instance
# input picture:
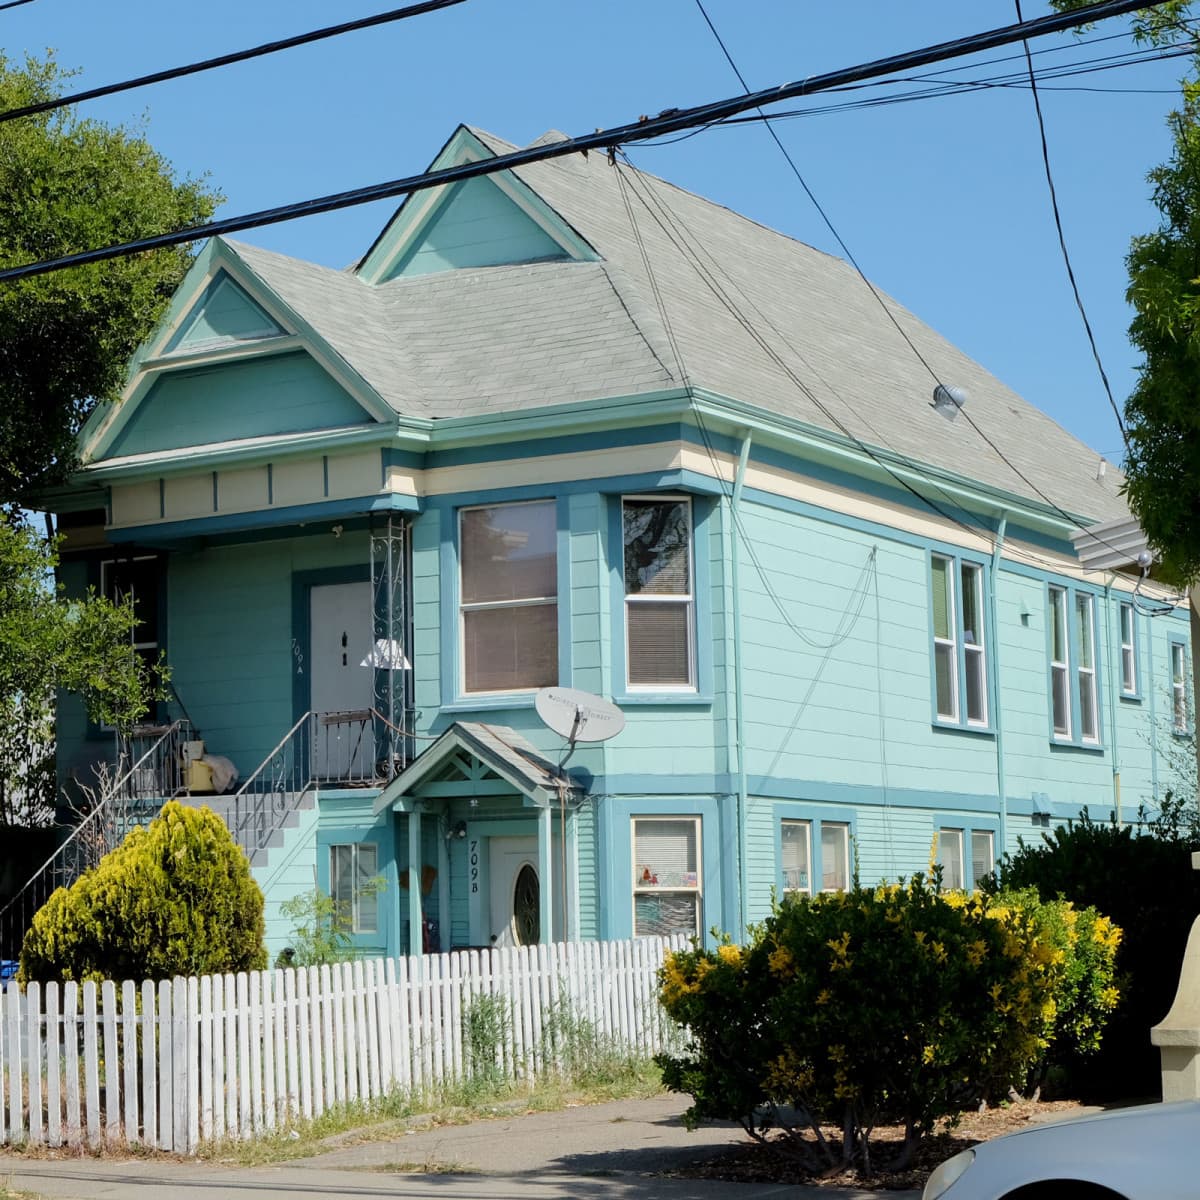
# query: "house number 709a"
(474, 865)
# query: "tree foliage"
(176, 898)
(72, 184)
(49, 643)
(888, 1004)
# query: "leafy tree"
(176, 898)
(71, 184)
(49, 643)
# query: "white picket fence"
(171, 1064)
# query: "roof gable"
(494, 220)
(223, 314)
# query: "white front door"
(341, 624)
(515, 891)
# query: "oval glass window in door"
(527, 907)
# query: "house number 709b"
(474, 865)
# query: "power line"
(668, 121)
(1062, 243)
(223, 60)
(14, 4)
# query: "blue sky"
(943, 202)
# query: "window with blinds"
(795, 838)
(666, 875)
(509, 597)
(950, 859)
(352, 871)
(659, 602)
(983, 855)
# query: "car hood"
(1182, 1110)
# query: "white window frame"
(660, 890)
(1085, 604)
(486, 605)
(1060, 668)
(1127, 620)
(688, 598)
(842, 829)
(962, 654)
(1180, 718)
(945, 834)
(991, 853)
(356, 849)
(805, 827)
(106, 569)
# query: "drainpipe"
(993, 618)
(738, 695)
(1113, 682)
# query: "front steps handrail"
(89, 823)
(262, 795)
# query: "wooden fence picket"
(129, 1053)
(12, 1032)
(91, 1065)
(111, 1059)
(54, 1064)
(70, 1005)
(33, 1045)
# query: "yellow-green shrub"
(853, 1009)
(176, 898)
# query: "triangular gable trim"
(410, 221)
(456, 740)
(155, 357)
(222, 298)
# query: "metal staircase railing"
(118, 806)
(263, 802)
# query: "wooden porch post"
(545, 874)
(414, 882)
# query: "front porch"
(505, 842)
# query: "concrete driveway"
(593, 1152)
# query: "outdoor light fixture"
(458, 831)
(948, 400)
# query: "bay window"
(509, 597)
(659, 593)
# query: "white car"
(1151, 1152)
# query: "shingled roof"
(510, 338)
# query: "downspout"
(1115, 660)
(738, 695)
(994, 621)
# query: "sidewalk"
(594, 1152)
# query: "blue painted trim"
(815, 815)
(378, 835)
(325, 473)
(562, 565)
(276, 518)
(302, 584)
(270, 483)
(216, 493)
(614, 819)
(575, 443)
(394, 457)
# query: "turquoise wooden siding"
(230, 615)
(589, 858)
(476, 225)
(586, 515)
(290, 870)
(427, 619)
(224, 313)
(285, 393)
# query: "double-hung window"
(509, 597)
(660, 611)
(951, 857)
(666, 875)
(1074, 687)
(959, 642)
(1179, 697)
(1129, 674)
(795, 847)
(353, 868)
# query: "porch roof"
(501, 750)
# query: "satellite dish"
(579, 716)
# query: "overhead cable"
(224, 60)
(668, 121)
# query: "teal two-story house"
(571, 426)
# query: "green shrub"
(1142, 878)
(176, 898)
(896, 1004)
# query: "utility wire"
(1062, 243)
(14, 4)
(224, 60)
(667, 122)
(1070, 518)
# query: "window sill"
(985, 731)
(490, 701)
(1130, 697)
(1182, 735)
(1084, 747)
(660, 699)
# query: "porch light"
(948, 400)
(457, 831)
